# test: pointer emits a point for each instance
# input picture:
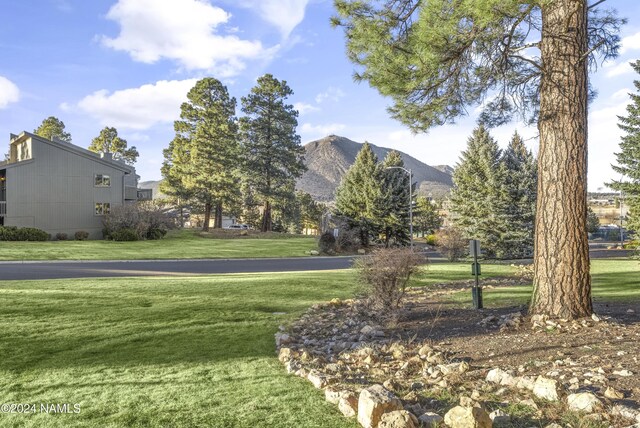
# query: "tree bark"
(266, 217)
(562, 283)
(207, 217)
(217, 221)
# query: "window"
(102, 180)
(103, 208)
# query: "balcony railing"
(3, 208)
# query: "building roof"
(73, 149)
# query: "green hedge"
(12, 233)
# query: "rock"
(373, 403)
(467, 417)
(362, 251)
(398, 419)
(623, 373)
(314, 253)
(501, 377)
(546, 388)
(425, 350)
(367, 329)
(291, 366)
(529, 403)
(430, 419)
(335, 302)
(317, 379)
(284, 355)
(613, 393)
(332, 395)
(282, 339)
(525, 382)
(625, 412)
(584, 402)
(391, 384)
(348, 404)
(448, 369)
(500, 418)
(595, 317)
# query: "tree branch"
(595, 4)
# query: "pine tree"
(174, 168)
(358, 195)
(51, 128)
(628, 159)
(273, 155)
(476, 200)
(436, 58)
(108, 141)
(207, 132)
(519, 190)
(394, 200)
(426, 218)
(593, 222)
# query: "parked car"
(238, 226)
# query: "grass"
(614, 280)
(178, 244)
(187, 351)
(152, 352)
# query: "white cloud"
(618, 69)
(630, 43)
(138, 108)
(283, 14)
(621, 94)
(304, 108)
(331, 94)
(9, 92)
(183, 31)
(312, 131)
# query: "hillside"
(329, 158)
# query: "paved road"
(93, 269)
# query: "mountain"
(329, 158)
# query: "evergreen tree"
(273, 155)
(394, 200)
(435, 58)
(628, 159)
(426, 219)
(477, 201)
(593, 222)
(358, 195)
(174, 168)
(108, 141)
(520, 186)
(51, 128)
(207, 132)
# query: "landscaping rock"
(430, 419)
(373, 403)
(546, 388)
(584, 402)
(500, 418)
(613, 393)
(468, 417)
(348, 404)
(501, 377)
(314, 253)
(317, 379)
(282, 339)
(284, 355)
(398, 419)
(332, 395)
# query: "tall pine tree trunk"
(562, 283)
(217, 221)
(207, 216)
(266, 217)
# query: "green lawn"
(612, 280)
(178, 244)
(192, 351)
(185, 352)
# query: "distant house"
(62, 188)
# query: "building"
(62, 188)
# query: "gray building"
(62, 188)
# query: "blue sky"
(130, 63)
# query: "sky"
(130, 63)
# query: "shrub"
(327, 243)
(125, 234)
(12, 233)
(385, 273)
(451, 243)
(432, 240)
(60, 236)
(81, 235)
(147, 220)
